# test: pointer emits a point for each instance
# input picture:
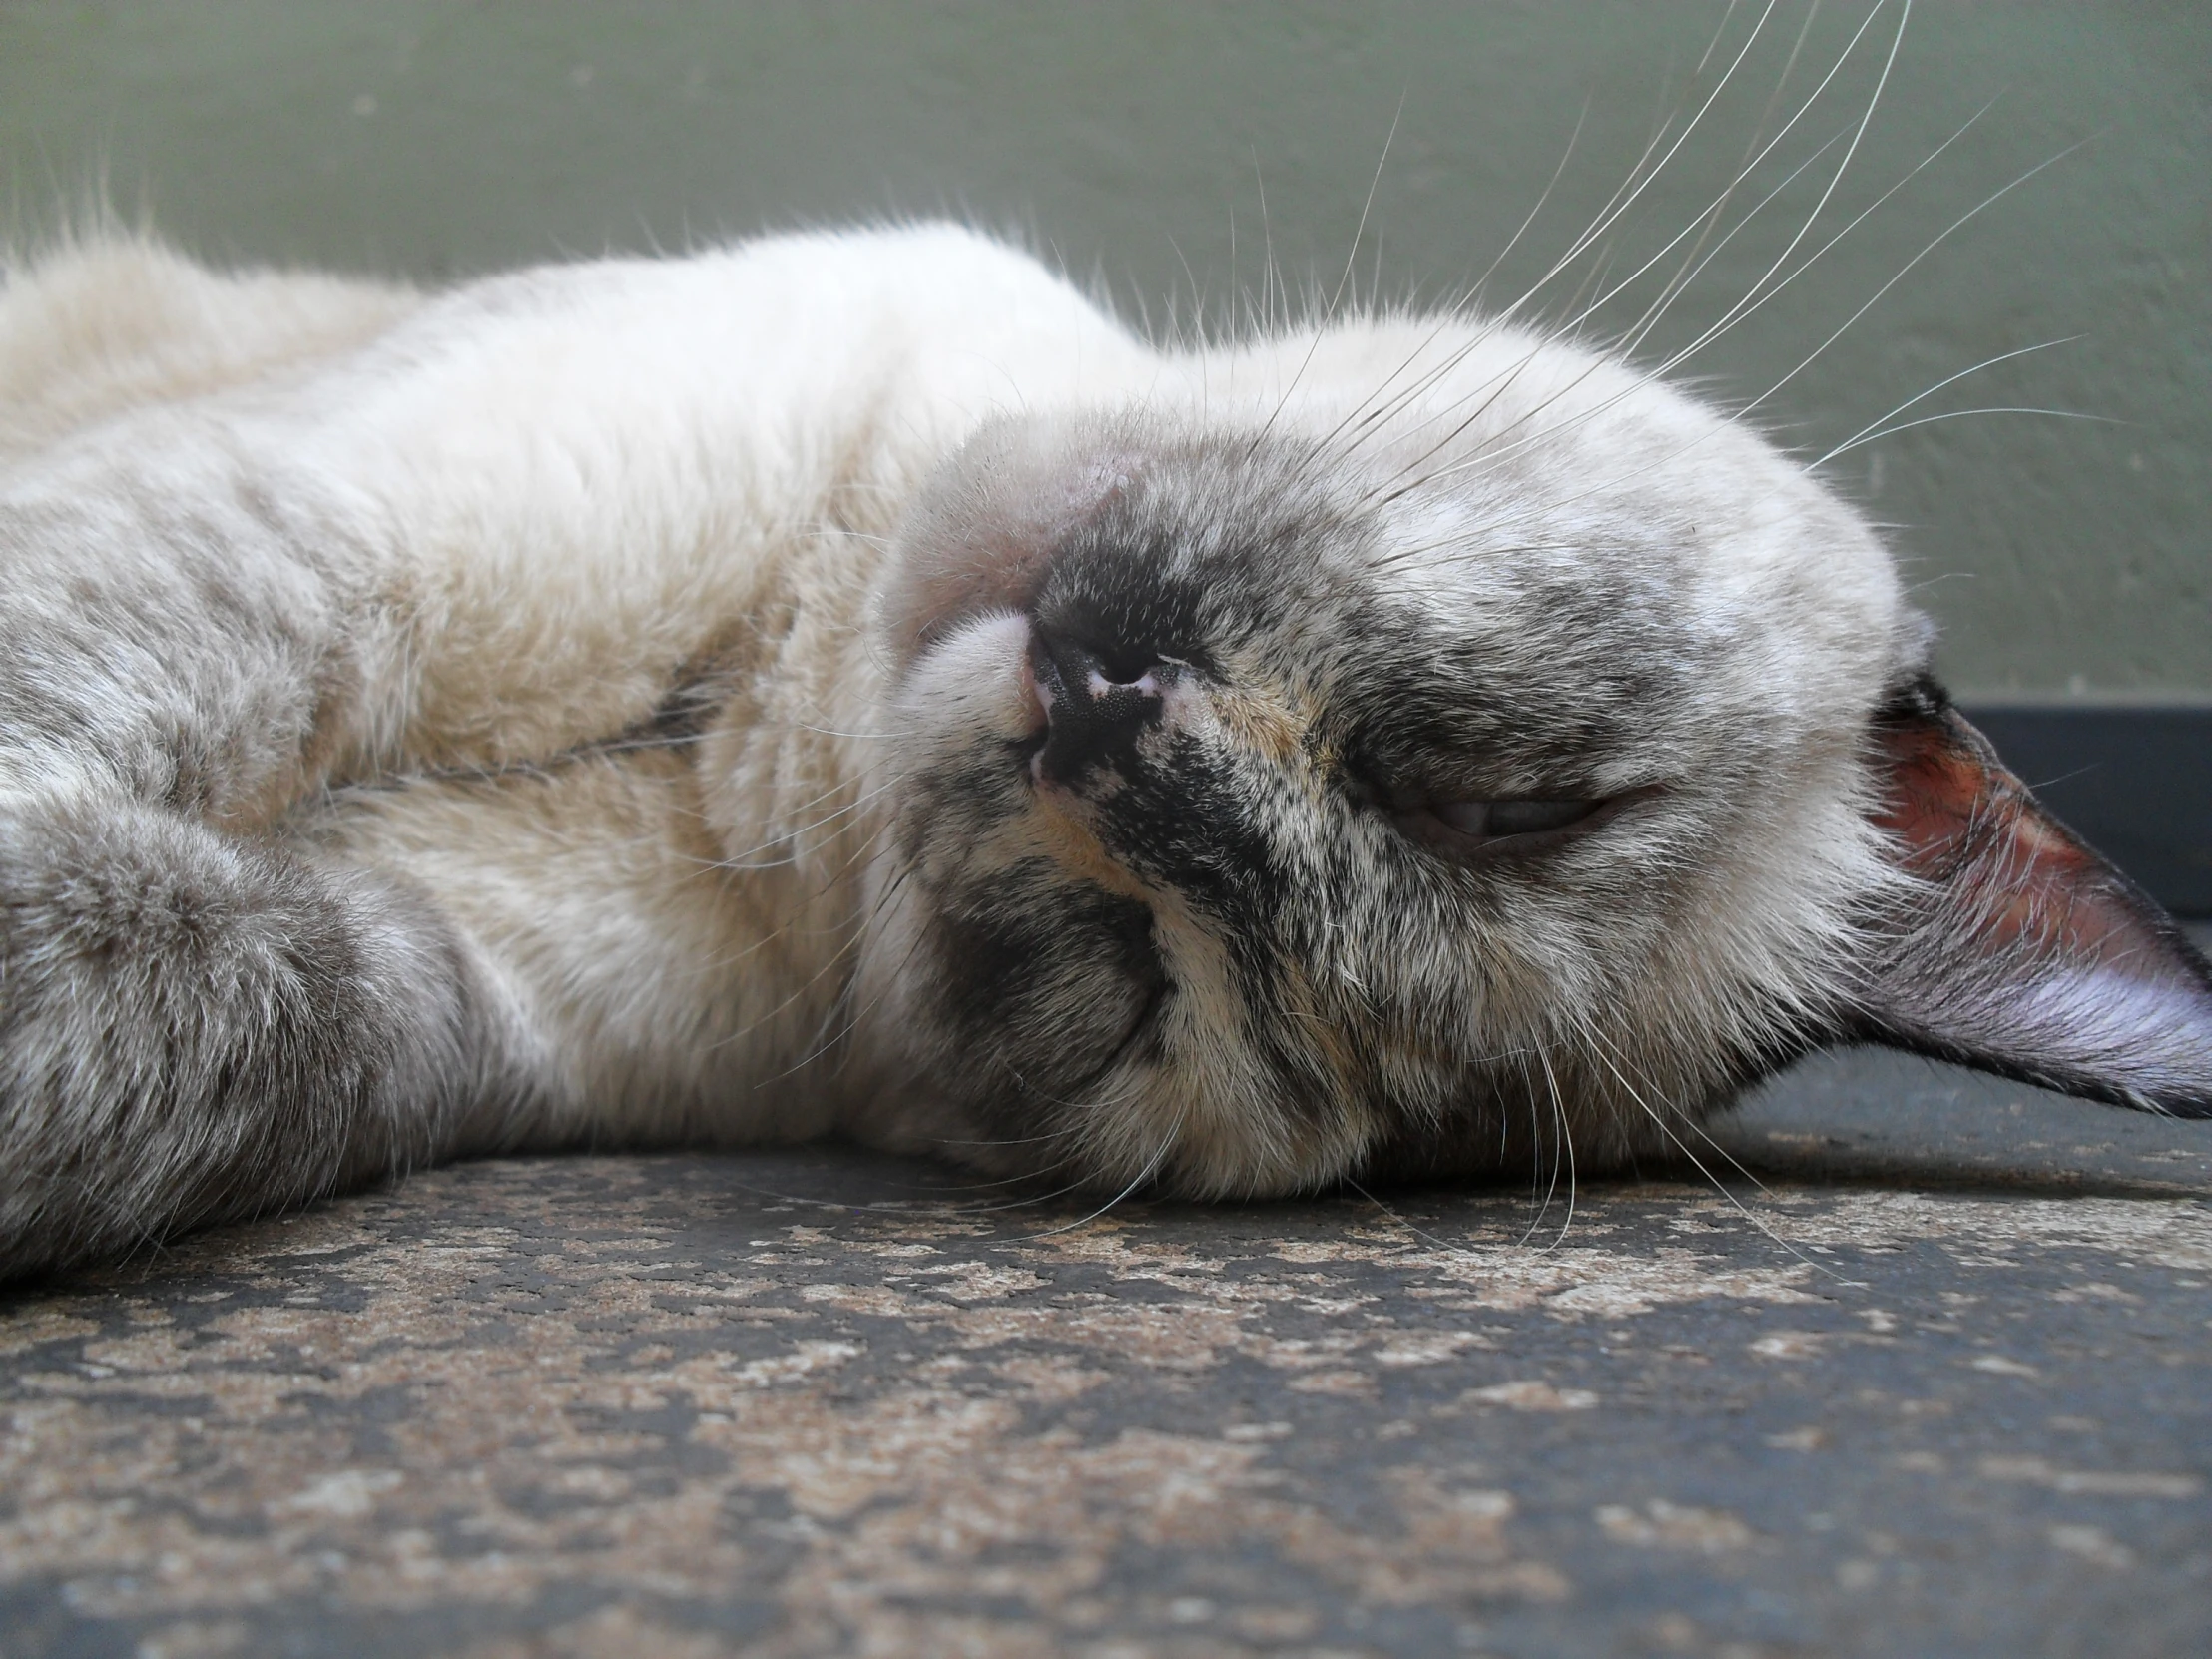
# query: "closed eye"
(1495, 820)
(1509, 824)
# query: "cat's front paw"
(193, 1026)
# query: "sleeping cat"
(850, 684)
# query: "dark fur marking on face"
(1119, 602)
(1052, 983)
(1180, 820)
(1440, 716)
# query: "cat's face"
(1392, 772)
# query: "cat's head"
(1417, 749)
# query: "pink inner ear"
(1966, 820)
(2027, 952)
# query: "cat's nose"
(1094, 707)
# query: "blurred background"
(1199, 160)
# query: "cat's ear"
(2019, 949)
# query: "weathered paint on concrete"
(813, 1402)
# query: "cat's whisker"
(1896, 42)
(1371, 410)
(1754, 299)
(837, 1025)
(1074, 1133)
(1026, 1201)
(715, 964)
(1755, 153)
(1151, 1169)
(1330, 314)
(1484, 330)
(1028, 1177)
(861, 933)
(1401, 484)
(1633, 186)
(1398, 1218)
(1562, 1150)
(1464, 306)
(1489, 458)
(1485, 327)
(833, 732)
(1030, 1201)
(1479, 463)
(1935, 242)
(1961, 414)
(1602, 1049)
(748, 861)
(1070, 1135)
(1693, 264)
(1573, 323)
(1868, 432)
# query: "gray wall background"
(2065, 558)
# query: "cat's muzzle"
(1095, 708)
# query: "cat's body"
(851, 683)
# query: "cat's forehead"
(1586, 537)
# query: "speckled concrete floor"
(1939, 1383)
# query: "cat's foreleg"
(194, 1021)
(195, 1026)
